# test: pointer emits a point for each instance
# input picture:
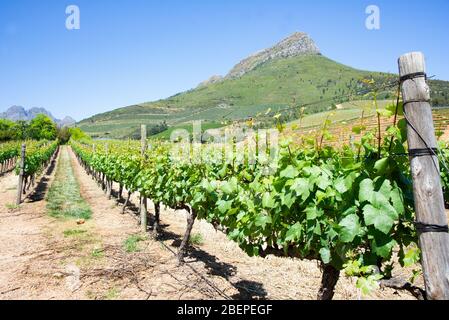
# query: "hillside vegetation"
(307, 78)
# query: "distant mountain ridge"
(16, 113)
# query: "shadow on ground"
(247, 290)
(39, 192)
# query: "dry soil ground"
(445, 136)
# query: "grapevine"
(347, 209)
(8, 154)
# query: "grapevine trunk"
(328, 282)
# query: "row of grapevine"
(444, 164)
(37, 157)
(346, 208)
(9, 152)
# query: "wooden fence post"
(21, 174)
(427, 189)
(108, 181)
(143, 200)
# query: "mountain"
(16, 113)
(66, 122)
(295, 45)
(211, 80)
(291, 73)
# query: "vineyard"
(346, 207)
(9, 152)
(342, 195)
(348, 130)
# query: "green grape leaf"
(358, 129)
(325, 255)
(262, 220)
(392, 108)
(350, 228)
(384, 112)
(397, 200)
(368, 284)
(381, 166)
(294, 232)
(340, 185)
(411, 257)
(228, 187)
(287, 199)
(382, 245)
(224, 206)
(301, 187)
(268, 201)
(312, 213)
(289, 172)
(349, 211)
(366, 190)
(381, 220)
(323, 182)
(385, 188)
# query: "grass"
(131, 244)
(74, 232)
(64, 198)
(85, 242)
(97, 253)
(12, 206)
(196, 239)
(111, 294)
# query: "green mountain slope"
(275, 83)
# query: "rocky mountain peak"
(211, 80)
(299, 43)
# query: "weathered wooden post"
(427, 191)
(143, 200)
(21, 175)
(108, 181)
(94, 173)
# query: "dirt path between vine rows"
(22, 235)
(106, 257)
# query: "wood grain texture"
(427, 188)
(21, 175)
(143, 200)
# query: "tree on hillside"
(78, 134)
(42, 127)
(6, 130)
(63, 135)
(21, 128)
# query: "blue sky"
(132, 51)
